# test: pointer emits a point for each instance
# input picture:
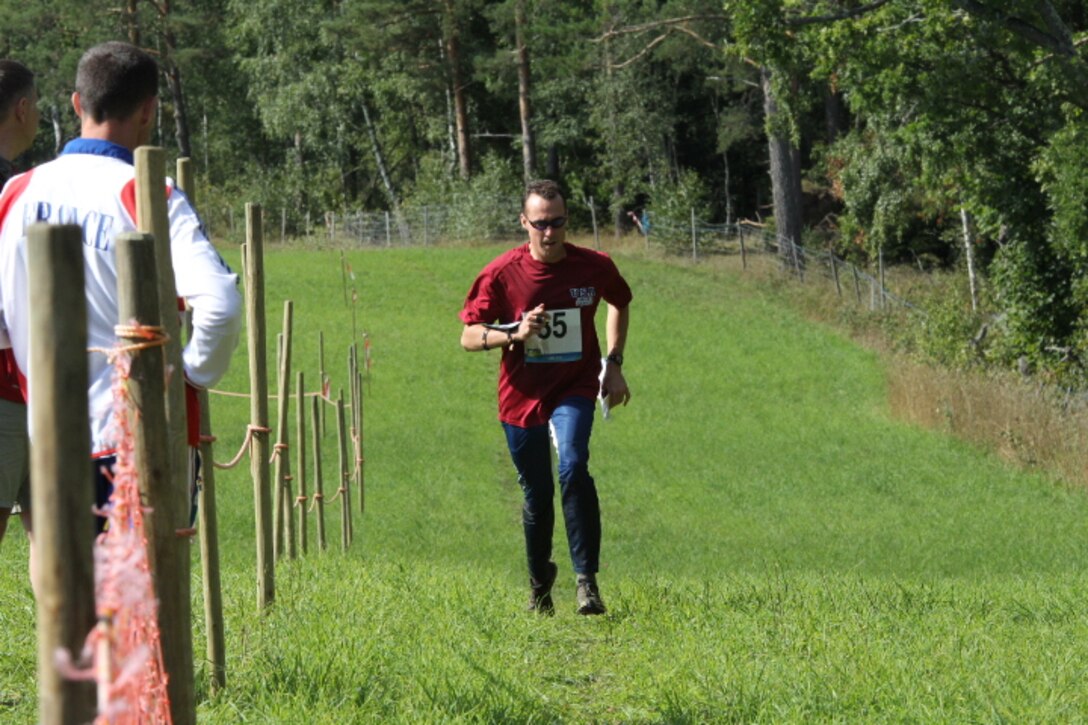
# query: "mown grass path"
(776, 547)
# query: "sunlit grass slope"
(776, 547)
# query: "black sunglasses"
(543, 224)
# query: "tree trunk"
(379, 157)
(132, 22)
(528, 142)
(58, 130)
(785, 167)
(835, 115)
(460, 107)
(728, 193)
(969, 249)
(554, 171)
(181, 112)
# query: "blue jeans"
(530, 449)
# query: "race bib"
(559, 341)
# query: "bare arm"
(477, 337)
(614, 385)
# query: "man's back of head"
(16, 81)
(113, 80)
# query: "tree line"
(943, 133)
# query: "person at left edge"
(18, 127)
(92, 184)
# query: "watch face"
(616, 358)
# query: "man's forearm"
(616, 328)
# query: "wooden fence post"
(835, 274)
(285, 522)
(208, 527)
(175, 608)
(857, 282)
(258, 406)
(360, 454)
(319, 486)
(345, 489)
(300, 466)
(185, 179)
(880, 258)
(694, 238)
(743, 251)
(62, 493)
(322, 378)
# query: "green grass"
(777, 548)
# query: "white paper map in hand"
(606, 409)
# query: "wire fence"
(745, 238)
(496, 219)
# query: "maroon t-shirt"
(570, 291)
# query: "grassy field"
(777, 548)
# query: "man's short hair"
(113, 79)
(16, 81)
(545, 189)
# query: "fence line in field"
(497, 219)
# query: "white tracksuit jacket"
(92, 184)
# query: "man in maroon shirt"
(544, 295)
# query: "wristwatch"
(616, 359)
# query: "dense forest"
(941, 133)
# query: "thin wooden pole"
(286, 531)
(319, 487)
(743, 250)
(360, 454)
(258, 406)
(300, 436)
(356, 421)
(62, 492)
(323, 378)
(388, 231)
(278, 472)
(857, 283)
(175, 608)
(185, 179)
(208, 518)
(344, 276)
(694, 238)
(880, 258)
(209, 555)
(344, 490)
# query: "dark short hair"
(113, 79)
(16, 81)
(545, 189)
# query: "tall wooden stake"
(360, 454)
(258, 406)
(175, 608)
(285, 527)
(345, 489)
(300, 466)
(322, 377)
(62, 492)
(208, 528)
(319, 487)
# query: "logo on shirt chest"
(583, 296)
